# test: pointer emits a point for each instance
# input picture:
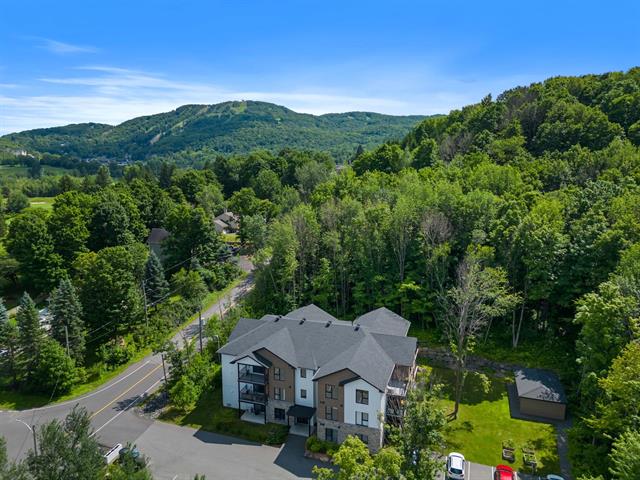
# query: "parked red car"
(504, 472)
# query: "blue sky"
(107, 61)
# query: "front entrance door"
(302, 421)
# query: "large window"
(362, 418)
(303, 393)
(330, 391)
(277, 373)
(331, 435)
(362, 397)
(330, 413)
(278, 413)
(278, 393)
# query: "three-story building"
(319, 374)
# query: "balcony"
(253, 397)
(247, 376)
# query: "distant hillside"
(230, 127)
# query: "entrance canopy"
(300, 411)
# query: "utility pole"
(200, 324)
(144, 296)
(164, 371)
(66, 336)
(35, 443)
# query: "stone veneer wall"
(346, 429)
(272, 405)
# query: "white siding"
(308, 384)
(375, 406)
(229, 381)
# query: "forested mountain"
(537, 192)
(230, 127)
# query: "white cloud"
(112, 95)
(63, 48)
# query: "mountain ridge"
(227, 128)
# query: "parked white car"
(456, 465)
(553, 477)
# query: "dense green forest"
(540, 187)
(225, 128)
(526, 206)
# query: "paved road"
(110, 404)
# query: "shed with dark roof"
(540, 394)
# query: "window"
(362, 396)
(330, 391)
(303, 373)
(278, 393)
(303, 393)
(364, 438)
(330, 413)
(277, 373)
(278, 413)
(362, 418)
(330, 435)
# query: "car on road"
(504, 472)
(455, 466)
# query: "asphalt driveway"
(178, 453)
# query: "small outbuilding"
(540, 394)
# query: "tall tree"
(480, 294)
(155, 284)
(109, 287)
(625, 456)
(67, 325)
(9, 343)
(31, 244)
(31, 335)
(103, 178)
(67, 450)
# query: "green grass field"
(45, 203)
(16, 171)
(484, 422)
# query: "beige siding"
(540, 408)
(288, 375)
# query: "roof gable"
(383, 320)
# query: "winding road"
(110, 404)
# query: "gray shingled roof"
(313, 312)
(314, 345)
(383, 320)
(157, 236)
(539, 385)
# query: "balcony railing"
(253, 397)
(249, 377)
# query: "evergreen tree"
(155, 284)
(66, 312)
(67, 450)
(30, 335)
(103, 178)
(8, 342)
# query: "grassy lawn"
(96, 374)
(45, 203)
(210, 415)
(484, 422)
